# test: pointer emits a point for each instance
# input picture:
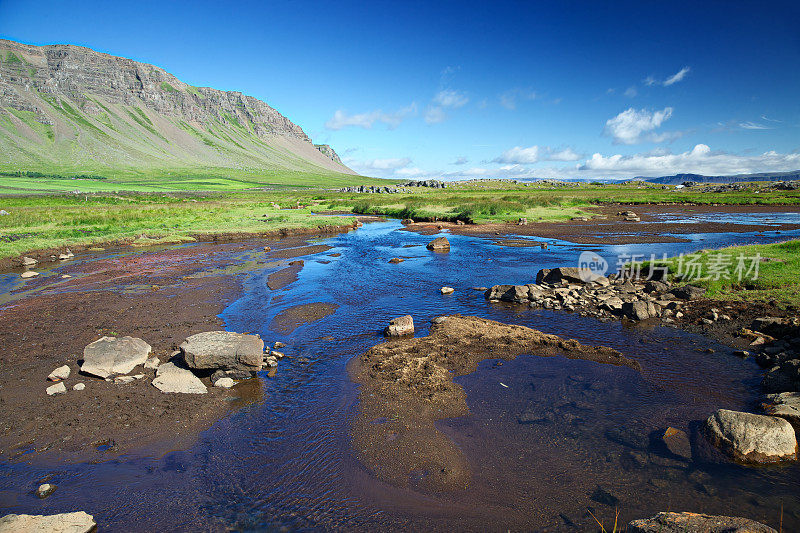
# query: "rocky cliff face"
(82, 96)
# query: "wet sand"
(162, 296)
(611, 228)
(293, 317)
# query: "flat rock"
(45, 490)
(400, 326)
(172, 378)
(751, 438)
(439, 244)
(569, 274)
(677, 442)
(688, 292)
(29, 274)
(113, 356)
(693, 522)
(785, 405)
(223, 350)
(508, 293)
(224, 383)
(59, 373)
(58, 388)
(395, 260)
(78, 522)
(29, 261)
(447, 290)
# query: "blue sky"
(494, 89)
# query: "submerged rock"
(400, 326)
(751, 438)
(677, 442)
(78, 522)
(45, 490)
(223, 350)
(688, 522)
(111, 356)
(439, 244)
(172, 378)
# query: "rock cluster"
(686, 522)
(575, 289)
(78, 522)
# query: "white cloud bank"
(533, 154)
(341, 119)
(635, 126)
(444, 99)
(699, 160)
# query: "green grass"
(168, 88)
(13, 59)
(776, 278)
(39, 222)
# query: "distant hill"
(68, 110)
(677, 179)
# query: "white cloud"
(533, 154)
(753, 126)
(630, 92)
(434, 115)
(384, 168)
(678, 76)
(700, 160)
(461, 160)
(341, 119)
(649, 81)
(509, 98)
(450, 98)
(629, 126)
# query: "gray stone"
(29, 274)
(224, 350)
(224, 383)
(152, 363)
(172, 378)
(122, 380)
(447, 290)
(439, 244)
(751, 438)
(58, 388)
(639, 310)
(271, 362)
(45, 490)
(694, 522)
(508, 293)
(569, 274)
(785, 405)
(112, 356)
(29, 261)
(59, 374)
(278, 345)
(79, 386)
(688, 292)
(400, 326)
(78, 522)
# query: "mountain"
(68, 110)
(677, 179)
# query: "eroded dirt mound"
(408, 384)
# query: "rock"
(395, 260)
(407, 221)
(59, 373)
(172, 378)
(4, 213)
(223, 350)
(111, 356)
(152, 363)
(78, 522)
(508, 293)
(655, 286)
(224, 383)
(633, 218)
(278, 345)
(270, 362)
(568, 274)
(236, 375)
(400, 326)
(693, 522)
(688, 292)
(276, 354)
(447, 290)
(639, 310)
(122, 380)
(751, 438)
(602, 495)
(613, 304)
(29, 274)
(744, 354)
(29, 261)
(79, 386)
(439, 244)
(58, 388)
(785, 405)
(677, 442)
(45, 490)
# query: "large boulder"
(751, 438)
(689, 522)
(639, 310)
(223, 350)
(568, 274)
(439, 244)
(688, 292)
(172, 378)
(78, 522)
(400, 326)
(508, 293)
(113, 356)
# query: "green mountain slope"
(69, 111)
